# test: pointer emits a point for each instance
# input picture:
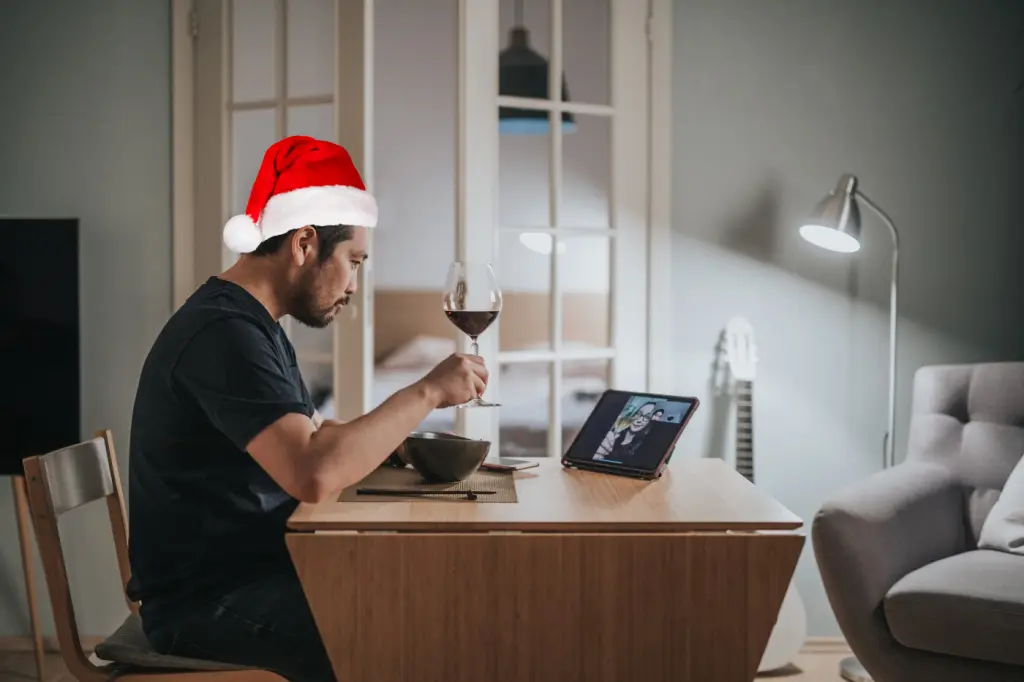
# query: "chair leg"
(24, 531)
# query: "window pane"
(252, 132)
(524, 57)
(583, 382)
(252, 49)
(586, 174)
(315, 341)
(314, 349)
(524, 180)
(585, 277)
(310, 43)
(524, 274)
(586, 46)
(318, 377)
(524, 397)
(316, 120)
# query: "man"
(225, 440)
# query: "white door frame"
(189, 183)
(660, 312)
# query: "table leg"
(545, 606)
(24, 515)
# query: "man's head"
(318, 268)
(642, 417)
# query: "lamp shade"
(522, 72)
(834, 224)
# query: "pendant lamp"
(522, 72)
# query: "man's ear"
(304, 244)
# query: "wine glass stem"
(476, 346)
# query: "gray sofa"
(914, 597)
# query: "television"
(40, 385)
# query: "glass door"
(467, 165)
(571, 212)
(267, 69)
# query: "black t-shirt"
(204, 516)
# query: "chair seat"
(130, 646)
(969, 605)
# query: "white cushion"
(1004, 527)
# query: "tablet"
(630, 434)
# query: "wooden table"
(588, 578)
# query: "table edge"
(544, 526)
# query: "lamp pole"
(888, 450)
(835, 225)
(850, 668)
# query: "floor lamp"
(835, 225)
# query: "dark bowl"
(443, 457)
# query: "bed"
(412, 336)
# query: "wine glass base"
(476, 402)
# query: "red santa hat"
(302, 181)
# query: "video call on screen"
(634, 431)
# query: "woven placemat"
(501, 483)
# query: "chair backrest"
(970, 418)
(59, 482)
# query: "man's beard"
(308, 310)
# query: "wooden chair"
(60, 482)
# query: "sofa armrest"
(872, 533)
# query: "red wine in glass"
(472, 301)
(472, 323)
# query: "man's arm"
(232, 372)
(313, 464)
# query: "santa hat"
(301, 182)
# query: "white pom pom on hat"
(302, 181)
(241, 234)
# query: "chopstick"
(399, 492)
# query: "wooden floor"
(20, 666)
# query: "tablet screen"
(632, 430)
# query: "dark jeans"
(266, 624)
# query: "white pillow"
(1004, 528)
(422, 352)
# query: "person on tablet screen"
(627, 434)
(225, 440)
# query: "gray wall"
(85, 132)
(773, 101)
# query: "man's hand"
(313, 462)
(457, 379)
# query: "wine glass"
(472, 301)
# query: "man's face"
(642, 418)
(322, 289)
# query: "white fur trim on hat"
(326, 205)
(329, 205)
(241, 234)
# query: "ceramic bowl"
(443, 457)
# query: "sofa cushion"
(969, 605)
(1004, 528)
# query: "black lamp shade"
(524, 73)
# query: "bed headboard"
(400, 315)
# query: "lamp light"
(522, 72)
(834, 224)
(540, 242)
